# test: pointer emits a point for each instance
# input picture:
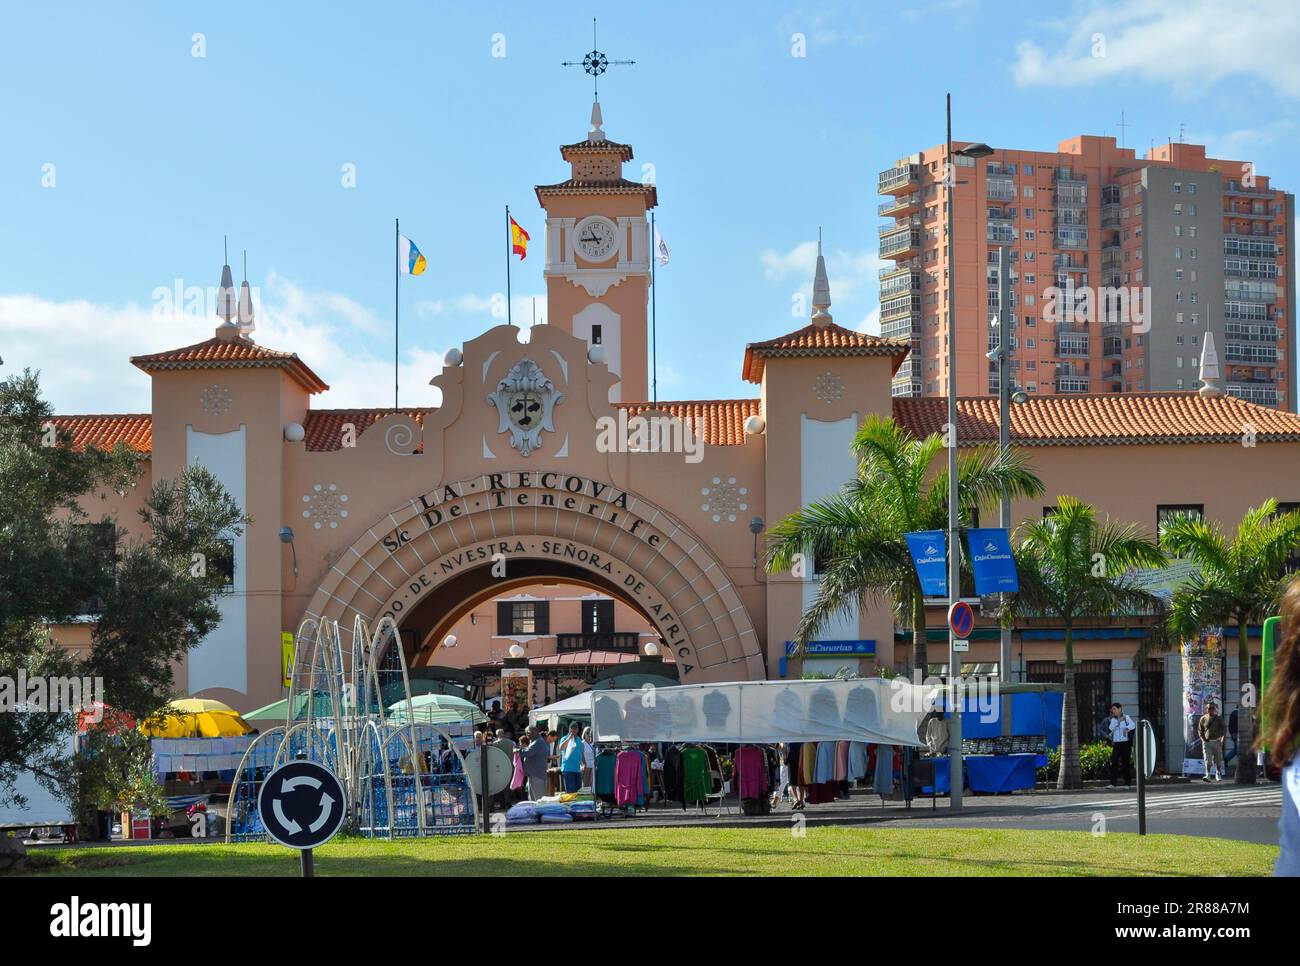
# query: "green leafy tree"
(155, 594)
(1074, 567)
(1239, 580)
(857, 536)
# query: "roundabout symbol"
(302, 804)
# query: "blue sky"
(157, 154)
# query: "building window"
(1029, 235)
(596, 335)
(522, 617)
(1178, 187)
(1168, 511)
(598, 617)
(1191, 187)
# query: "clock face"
(596, 240)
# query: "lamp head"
(286, 534)
(976, 150)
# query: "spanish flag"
(409, 259)
(518, 239)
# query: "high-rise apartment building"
(1119, 267)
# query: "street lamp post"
(955, 770)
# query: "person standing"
(589, 759)
(1211, 732)
(1120, 726)
(571, 759)
(536, 755)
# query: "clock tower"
(598, 256)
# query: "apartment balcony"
(1072, 346)
(1000, 190)
(902, 241)
(1001, 233)
(1110, 194)
(901, 283)
(1249, 268)
(902, 205)
(1259, 394)
(1244, 332)
(1072, 384)
(1249, 247)
(906, 327)
(900, 308)
(1253, 354)
(897, 180)
(1240, 211)
(613, 641)
(1246, 312)
(1112, 348)
(1073, 240)
(1235, 188)
(889, 271)
(1067, 263)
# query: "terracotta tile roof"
(719, 422)
(1104, 418)
(216, 353)
(620, 186)
(820, 340)
(323, 428)
(624, 151)
(105, 432)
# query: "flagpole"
(509, 245)
(654, 341)
(397, 277)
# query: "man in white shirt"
(1120, 726)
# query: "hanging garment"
(673, 776)
(857, 760)
(629, 778)
(841, 761)
(808, 764)
(750, 772)
(696, 782)
(792, 752)
(606, 765)
(825, 767)
(517, 779)
(788, 710)
(884, 780)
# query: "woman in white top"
(588, 759)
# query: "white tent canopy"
(879, 710)
(578, 705)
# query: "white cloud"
(853, 276)
(1187, 44)
(82, 348)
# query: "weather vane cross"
(596, 63)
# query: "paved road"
(1220, 810)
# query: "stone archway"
(571, 521)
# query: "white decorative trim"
(325, 506)
(596, 281)
(724, 500)
(487, 451)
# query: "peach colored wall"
(482, 641)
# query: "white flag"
(661, 248)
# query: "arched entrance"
(454, 541)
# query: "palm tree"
(1240, 580)
(857, 536)
(1074, 567)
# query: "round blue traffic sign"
(961, 618)
(302, 804)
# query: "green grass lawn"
(825, 850)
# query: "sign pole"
(483, 785)
(308, 864)
(1143, 724)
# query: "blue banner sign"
(930, 557)
(991, 559)
(817, 648)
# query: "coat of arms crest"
(524, 400)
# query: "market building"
(545, 477)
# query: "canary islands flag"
(409, 259)
(518, 240)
